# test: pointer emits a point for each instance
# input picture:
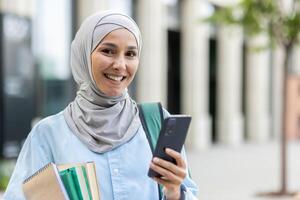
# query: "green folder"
(70, 180)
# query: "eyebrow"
(115, 46)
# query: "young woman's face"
(114, 62)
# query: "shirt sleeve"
(189, 188)
(34, 155)
(184, 194)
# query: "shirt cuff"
(182, 192)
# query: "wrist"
(173, 194)
(177, 195)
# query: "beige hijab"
(101, 122)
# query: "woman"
(102, 124)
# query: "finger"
(177, 156)
(178, 171)
(166, 174)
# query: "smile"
(114, 78)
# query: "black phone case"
(172, 135)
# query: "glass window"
(51, 44)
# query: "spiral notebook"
(45, 184)
(50, 182)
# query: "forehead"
(122, 36)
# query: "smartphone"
(172, 135)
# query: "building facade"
(192, 67)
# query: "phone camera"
(170, 127)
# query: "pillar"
(195, 72)
(230, 126)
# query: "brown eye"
(131, 54)
(108, 51)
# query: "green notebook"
(83, 182)
(87, 178)
(71, 183)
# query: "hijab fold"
(101, 122)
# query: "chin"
(113, 93)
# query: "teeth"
(115, 78)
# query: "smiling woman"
(102, 123)
(115, 62)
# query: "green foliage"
(6, 168)
(257, 16)
(3, 182)
(262, 13)
(292, 25)
(223, 15)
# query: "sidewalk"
(239, 173)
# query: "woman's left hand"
(172, 175)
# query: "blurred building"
(233, 93)
(293, 107)
(34, 65)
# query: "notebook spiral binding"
(36, 173)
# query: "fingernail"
(155, 159)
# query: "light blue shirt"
(122, 172)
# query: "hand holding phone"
(172, 135)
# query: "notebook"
(83, 182)
(45, 184)
(63, 182)
(71, 184)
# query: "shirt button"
(116, 171)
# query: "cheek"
(133, 68)
(100, 63)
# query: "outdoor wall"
(293, 111)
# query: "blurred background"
(191, 66)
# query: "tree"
(282, 26)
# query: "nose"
(119, 63)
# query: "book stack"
(63, 182)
